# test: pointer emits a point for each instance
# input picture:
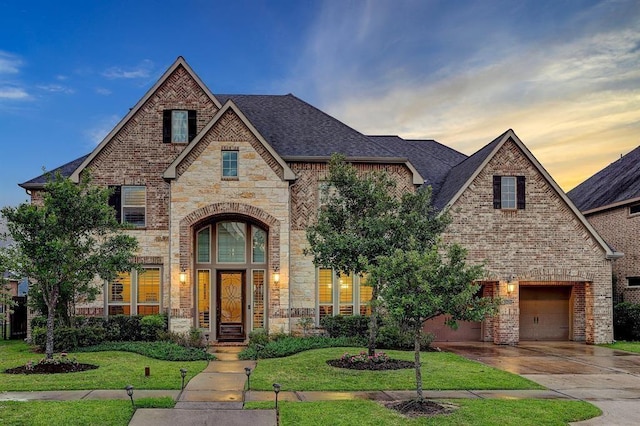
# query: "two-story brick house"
(222, 187)
(610, 200)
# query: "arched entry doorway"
(230, 264)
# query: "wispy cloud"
(101, 128)
(9, 63)
(56, 88)
(103, 91)
(572, 88)
(13, 93)
(142, 70)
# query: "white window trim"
(515, 193)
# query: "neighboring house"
(222, 188)
(610, 200)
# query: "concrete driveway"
(607, 378)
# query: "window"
(204, 284)
(635, 209)
(257, 284)
(229, 164)
(231, 242)
(509, 192)
(633, 281)
(204, 245)
(178, 126)
(135, 292)
(258, 241)
(342, 295)
(129, 203)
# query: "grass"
(471, 412)
(71, 413)
(625, 346)
(116, 370)
(308, 371)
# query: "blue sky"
(565, 75)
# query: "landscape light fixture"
(247, 371)
(183, 276)
(129, 390)
(276, 390)
(183, 373)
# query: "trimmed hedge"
(288, 345)
(346, 326)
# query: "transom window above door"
(236, 242)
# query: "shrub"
(392, 336)
(346, 326)
(167, 351)
(68, 338)
(151, 326)
(124, 328)
(285, 346)
(626, 321)
(364, 358)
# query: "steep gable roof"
(432, 159)
(616, 184)
(180, 62)
(171, 171)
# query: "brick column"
(506, 325)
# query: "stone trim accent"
(148, 260)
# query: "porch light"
(183, 276)
(511, 287)
(276, 276)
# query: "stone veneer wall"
(622, 232)
(545, 242)
(199, 193)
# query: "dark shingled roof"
(461, 173)
(65, 170)
(296, 129)
(618, 182)
(432, 159)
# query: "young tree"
(65, 242)
(419, 285)
(362, 219)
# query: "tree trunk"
(373, 320)
(51, 315)
(416, 347)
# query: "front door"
(230, 304)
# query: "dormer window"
(178, 126)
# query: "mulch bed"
(417, 408)
(51, 368)
(392, 364)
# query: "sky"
(565, 75)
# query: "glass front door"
(230, 304)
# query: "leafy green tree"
(363, 219)
(420, 285)
(6, 300)
(66, 241)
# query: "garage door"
(544, 312)
(466, 332)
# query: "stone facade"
(543, 244)
(622, 231)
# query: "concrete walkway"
(213, 397)
(606, 378)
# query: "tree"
(420, 285)
(64, 243)
(362, 219)
(6, 299)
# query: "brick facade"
(622, 231)
(544, 243)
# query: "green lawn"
(72, 413)
(476, 412)
(625, 346)
(116, 370)
(308, 371)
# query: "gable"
(547, 227)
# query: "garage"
(545, 312)
(467, 331)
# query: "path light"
(247, 371)
(129, 390)
(276, 389)
(183, 373)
